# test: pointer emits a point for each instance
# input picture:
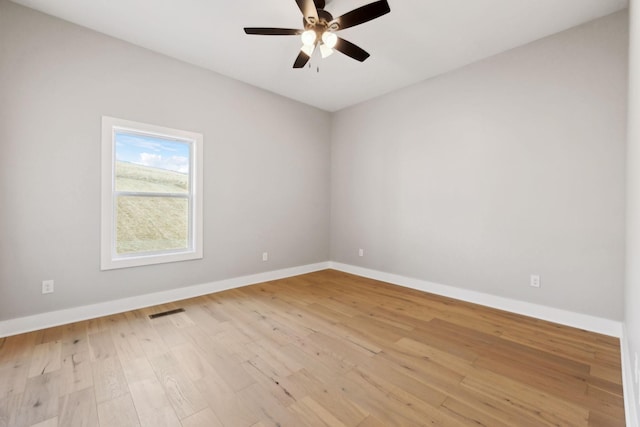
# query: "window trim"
(108, 258)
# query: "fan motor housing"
(324, 18)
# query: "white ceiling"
(417, 40)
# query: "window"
(151, 194)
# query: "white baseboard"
(563, 317)
(76, 314)
(628, 384)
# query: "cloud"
(147, 142)
(173, 163)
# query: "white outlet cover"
(47, 286)
(534, 281)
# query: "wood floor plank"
(191, 360)
(526, 400)
(170, 334)
(373, 330)
(341, 349)
(118, 412)
(276, 386)
(236, 343)
(390, 404)
(9, 407)
(328, 394)
(13, 377)
(126, 342)
(267, 408)
(440, 376)
(46, 358)
(39, 402)
(137, 370)
(606, 372)
(204, 418)
(603, 402)
(407, 382)
(224, 403)
(51, 422)
(321, 349)
(149, 339)
(183, 395)
(597, 419)
(101, 345)
(467, 415)
(15, 349)
(408, 347)
(4, 411)
(225, 364)
(200, 315)
(74, 339)
(78, 409)
(152, 405)
(314, 414)
(108, 379)
(371, 421)
(75, 373)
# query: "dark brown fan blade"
(301, 60)
(309, 11)
(362, 14)
(272, 31)
(351, 50)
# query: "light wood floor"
(323, 349)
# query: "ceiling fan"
(320, 29)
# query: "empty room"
(319, 213)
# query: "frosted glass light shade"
(330, 39)
(308, 38)
(325, 50)
(308, 49)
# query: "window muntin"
(150, 189)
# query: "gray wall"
(632, 288)
(511, 166)
(266, 165)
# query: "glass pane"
(146, 163)
(149, 224)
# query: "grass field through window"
(151, 224)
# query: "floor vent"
(166, 313)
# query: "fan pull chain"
(317, 67)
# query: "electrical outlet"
(534, 281)
(265, 256)
(47, 286)
(360, 252)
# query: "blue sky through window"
(153, 151)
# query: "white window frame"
(109, 259)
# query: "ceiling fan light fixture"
(329, 39)
(319, 28)
(325, 51)
(309, 38)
